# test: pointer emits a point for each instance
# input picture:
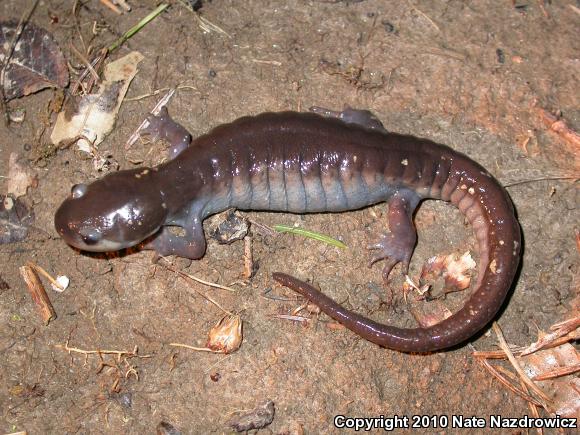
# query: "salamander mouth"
(103, 245)
(91, 240)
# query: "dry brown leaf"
(90, 118)
(15, 219)
(431, 314)
(36, 62)
(258, 418)
(20, 176)
(229, 227)
(166, 428)
(575, 303)
(226, 335)
(455, 271)
(562, 391)
(440, 275)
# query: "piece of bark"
(39, 296)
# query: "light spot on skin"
(145, 172)
(501, 242)
(354, 158)
(493, 266)
(471, 190)
(404, 162)
(137, 175)
(463, 187)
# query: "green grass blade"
(137, 27)
(310, 235)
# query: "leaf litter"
(35, 63)
(90, 118)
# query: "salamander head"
(115, 212)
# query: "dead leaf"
(90, 118)
(226, 335)
(440, 275)
(15, 219)
(166, 428)
(20, 176)
(230, 226)
(3, 284)
(431, 314)
(562, 391)
(36, 61)
(454, 270)
(258, 418)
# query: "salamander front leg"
(191, 245)
(397, 245)
(366, 118)
(162, 126)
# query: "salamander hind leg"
(397, 245)
(352, 116)
(162, 126)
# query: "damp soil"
(472, 75)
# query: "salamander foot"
(393, 250)
(191, 245)
(162, 126)
(397, 245)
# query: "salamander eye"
(78, 190)
(90, 236)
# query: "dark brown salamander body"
(305, 163)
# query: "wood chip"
(38, 293)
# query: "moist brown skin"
(305, 163)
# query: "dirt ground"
(472, 75)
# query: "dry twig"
(38, 293)
(544, 400)
(201, 281)
(111, 6)
(155, 111)
(119, 353)
(495, 373)
(200, 349)
(248, 258)
(565, 329)
(556, 373)
(559, 126)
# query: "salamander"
(306, 163)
